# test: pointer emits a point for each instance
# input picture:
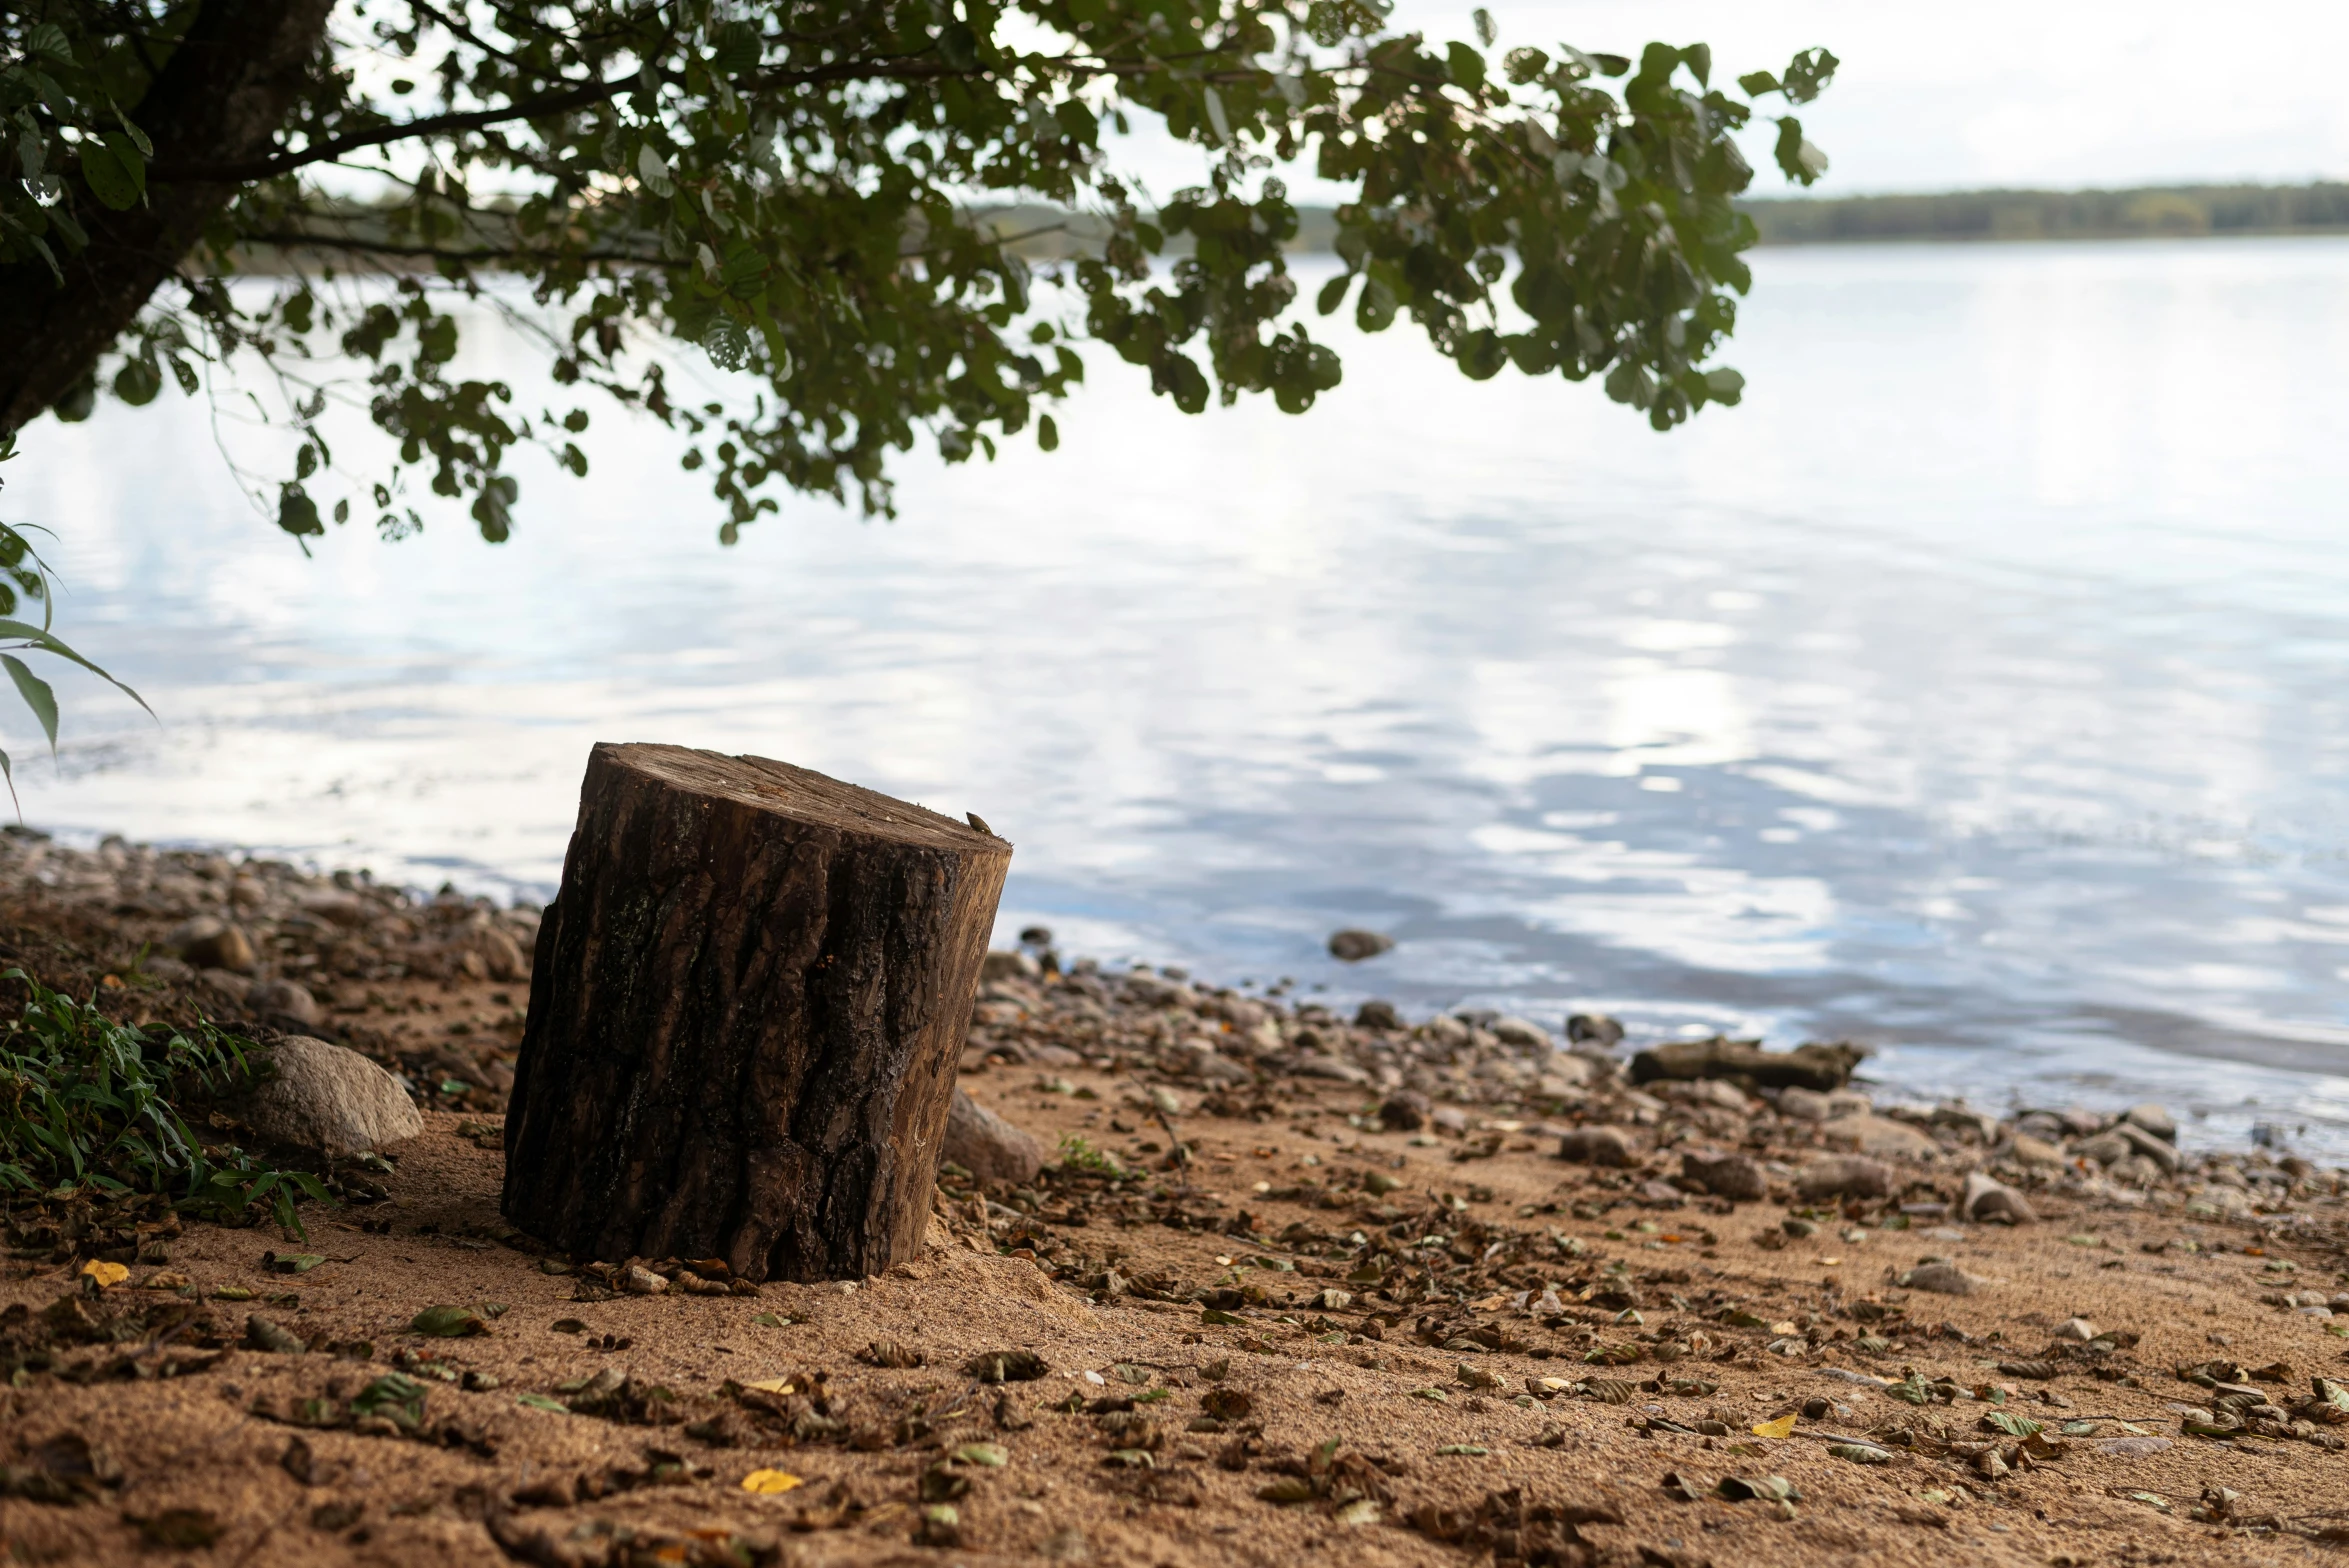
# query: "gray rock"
(2153, 1119)
(1733, 1176)
(1610, 1146)
(328, 1099)
(162, 966)
(502, 956)
(1375, 1014)
(1008, 966)
(2079, 1329)
(1802, 1105)
(1843, 1176)
(1405, 1111)
(1449, 1117)
(2043, 1125)
(2153, 1148)
(1352, 945)
(2106, 1148)
(287, 1000)
(1520, 1032)
(1945, 1279)
(1594, 1029)
(1881, 1135)
(1988, 1199)
(208, 942)
(2028, 1150)
(989, 1147)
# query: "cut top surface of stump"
(800, 793)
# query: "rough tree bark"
(220, 99)
(746, 1014)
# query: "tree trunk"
(745, 1018)
(220, 99)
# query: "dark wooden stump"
(746, 1014)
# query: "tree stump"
(746, 1014)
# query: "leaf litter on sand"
(770, 1483)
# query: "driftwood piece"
(1820, 1067)
(746, 1013)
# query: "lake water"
(1975, 690)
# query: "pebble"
(1736, 1177)
(1610, 1146)
(1594, 1029)
(1520, 1032)
(329, 1099)
(1987, 1199)
(209, 942)
(1405, 1111)
(2153, 1119)
(283, 1001)
(1945, 1279)
(1881, 1135)
(1844, 1176)
(1352, 946)
(1375, 1014)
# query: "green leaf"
(1464, 65)
(1486, 32)
(958, 46)
(1756, 83)
(1700, 63)
(114, 171)
(297, 514)
(1333, 293)
(40, 637)
(1047, 433)
(543, 1402)
(36, 694)
(447, 1322)
(401, 1399)
(137, 382)
(292, 1262)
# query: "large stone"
(1880, 1135)
(1988, 1199)
(209, 942)
(2154, 1119)
(1844, 1176)
(1609, 1146)
(1819, 1067)
(1733, 1176)
(285, 1001)
(1377, 1014)
(989, 1147)
(1352, 946)
(502, 956)
(325, 1098)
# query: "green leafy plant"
(88, 1101)
(1078, 1153)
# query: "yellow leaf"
(772, 1385)
(1782, 1427)
(106, 1274)
(766, 1483)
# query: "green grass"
(87, 1102)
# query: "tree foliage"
(801, 191)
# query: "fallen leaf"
(106, 1274)
(771, 1385)
(1860, 1453)
(1360, 1511)
(1465, 1450)
(993, 1455)
(769, 1483)
(291, 1262)
(447, 1322)
(1782, 1427)
(543, 1402)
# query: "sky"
(2057, 94)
